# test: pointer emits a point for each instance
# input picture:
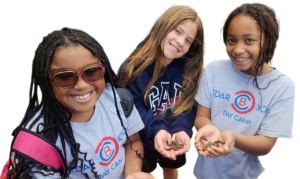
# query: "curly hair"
(269, 26)
(56, 116)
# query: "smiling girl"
(79, 115)
(243, 102)
(162, 74)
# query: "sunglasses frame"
(52, 77)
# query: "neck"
(82, 117)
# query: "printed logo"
(244, 102)
(108, 149)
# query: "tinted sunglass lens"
(65, 79)
(92, 74)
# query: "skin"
(175, 45)
(178, 41)
(242, 44)
(76, 58)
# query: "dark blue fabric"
(165, 88)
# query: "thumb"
(228, 140)
(198, 136)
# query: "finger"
(211, 153)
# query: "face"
(178, 41)
(81, 98)
(243, 43)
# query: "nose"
(238, 49)
(81, 83)
(180, 40)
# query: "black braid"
(56, 116)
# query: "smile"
(176, 49)
(242, 59)
(82, 96)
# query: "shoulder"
(218, 64)
(283, 79)
(38, 125)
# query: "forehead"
(72, 57)
(189, 27)
(243, 24)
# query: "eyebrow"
(67, 69)
(246, 35)
(184, 31)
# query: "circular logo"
(244, 102)
(108, 149)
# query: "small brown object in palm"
(174, 145)
(207, 144)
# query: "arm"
(256, 145)
(184, 121)
(153, 123)
(132, 162)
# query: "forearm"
(201, 121)
(133, 163)
(256, 145)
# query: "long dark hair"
(269, 26)
(56, 116)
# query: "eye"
(92, 71)
(250, 40)
(64, 76)
(230, 40)
(188, 41)
(177, 31)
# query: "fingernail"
(226, 148)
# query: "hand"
(139, 175)
(160, 144)
(182, 138)
(210, 132)
(229, 141)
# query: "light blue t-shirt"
(102, 138)
(236, 104)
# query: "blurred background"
(119, 26)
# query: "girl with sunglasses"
(162, 74)
(80, 113)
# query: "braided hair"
(268, 24)
(56, 116)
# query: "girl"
(247, 117)
(79, 113)
(162, 74)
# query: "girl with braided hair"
(243, 118)
(80, 114)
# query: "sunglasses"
(68, 79)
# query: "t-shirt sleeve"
(135, 122)
(205, 88)
(278, 121)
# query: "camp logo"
(107, 149)
(244, 102)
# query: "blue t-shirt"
(102, 138)
(236, 104)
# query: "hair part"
(149, 51)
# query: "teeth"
(174, 48)
(82, 97)
(241, 59)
